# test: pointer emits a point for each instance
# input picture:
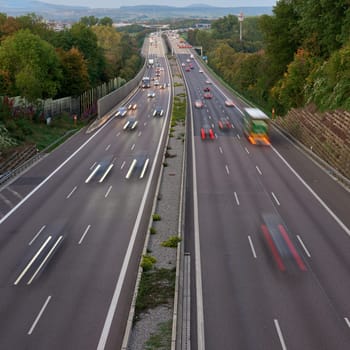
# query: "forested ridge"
(298, 56)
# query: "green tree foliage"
(84, 38)
(31, 65)
(323, 20)
(89, 21)
(281, 36)
(225, 27)
(329, 84)
(75, 78)
(105, 21)
(289, 91)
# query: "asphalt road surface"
(270, 248)
(73, 228)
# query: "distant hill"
(124, 13)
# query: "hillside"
(125, 13)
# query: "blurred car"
(224, 124)
(130, 124)
(158, 111)
(163, 86)
(229, 103)
(156, 83)
(208, 81)
(183, 64)
(198, 103)
(132, 106)
(200, 71)
(207, 132)
(121, 112)
(208, 95)
(151, 94)
(279, 242)
(207, 88)
(188, 69)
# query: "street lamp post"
(240, 19)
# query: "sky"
(180, 3)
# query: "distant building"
(58, 26)
(202, 25)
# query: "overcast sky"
(118, 3)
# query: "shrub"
(156, 217)
(152, 230)
(171, 242)
(147, 262)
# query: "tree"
(89, 21)
(75, 77)
(281, 36)
(105, 21)
(225, 28)
(31, 65)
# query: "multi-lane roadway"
(73, 228)
(268, 238)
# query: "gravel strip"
(168, 201)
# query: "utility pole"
(240, 19)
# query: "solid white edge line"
(44, 261)
(37, 235)
(39, 315)
(324, 205)
(114, 302)
(53, 173)
(32, 261)
(347, 321)
(73, 190)
(92, 174)
(280, 335)
(131, 169)
(252, 246)
(106, 173)
(275, 198)
(84, 234)
(304, 247)
(109, 190)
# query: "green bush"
(147, 262)
(156, 217)
(152, 230)
(171, 242)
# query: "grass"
(156, 288)
(40, 134)
(156, 217)
(161, 340)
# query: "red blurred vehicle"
(207, 132)
(207, 88)
(208, 95)
(224, 124)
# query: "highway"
(73, 228)
(248, 295)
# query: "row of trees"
(37, 62)
(299, 55)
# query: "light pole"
(240, 19)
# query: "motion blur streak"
(296, 256)
(273, 248)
